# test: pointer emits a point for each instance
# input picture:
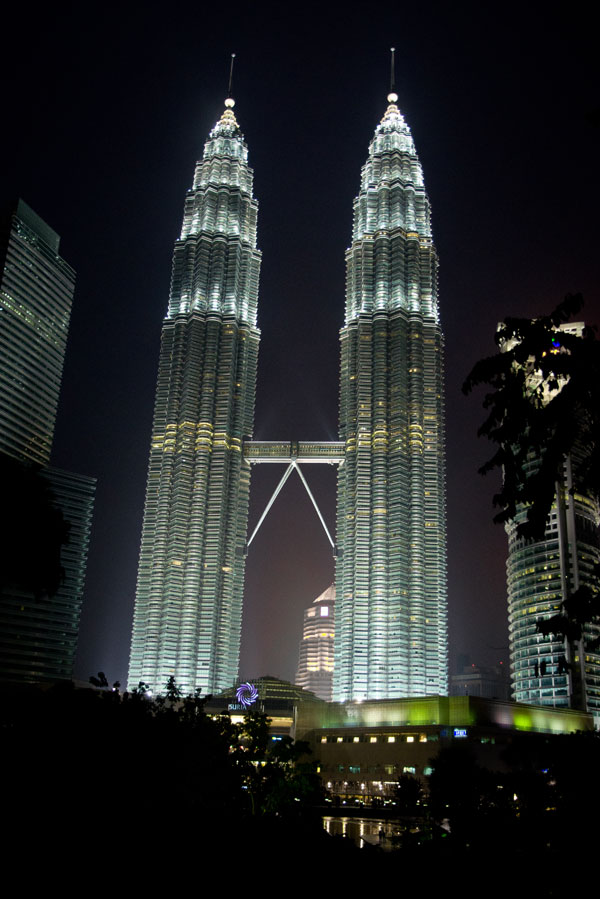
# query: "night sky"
(106, 109)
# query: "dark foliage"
(543, 406)
(33, 530)
(89, 760)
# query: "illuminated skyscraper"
(315, 663)
(391, 634)
(545, 668)
(188, 607)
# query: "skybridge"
(293, 453)
(283, 451)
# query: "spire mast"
(392, 96)
(230, 85)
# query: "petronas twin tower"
(390, 635)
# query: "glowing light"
(246, 695)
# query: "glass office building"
(38, 633)
(36, 294)
(547, 669)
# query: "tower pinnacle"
(392, 96)
(231, 101)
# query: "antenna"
(229, 89)
(392, 96)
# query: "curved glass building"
(547, 669)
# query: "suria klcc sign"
(246, 695)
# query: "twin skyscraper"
(391, 616)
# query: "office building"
(546, 669)
(391, 632)
(188, 608)
(36, 294)
(38, 633)
(315, 662)
(491, 682)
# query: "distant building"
(362, 748)
(36, 293)
(276, 698)
(479, 680)
(39, 635)
(540, 575)
(315, 663)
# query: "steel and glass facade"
(38, 634)
(541, 575)
(391, 630)
(36, 294)
(188, 609)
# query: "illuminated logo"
(460, 731)
(246, 694)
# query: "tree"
(544, 405)
(173, 692)
(544, 417)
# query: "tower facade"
(36, 294)
(38, 634)
(391, 631)
(541, 575)
(188, 609)
(315, 662)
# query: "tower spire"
(392, 96)
(230, 85)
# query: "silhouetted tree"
(173, 692)
(544, 405)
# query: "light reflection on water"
(363, 830)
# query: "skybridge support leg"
(276, 493)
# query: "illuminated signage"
(246, 694)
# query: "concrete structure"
(315, 662)
(279, 699)
(188, 609)
(391, 629)
(391, 635)
(364, 747)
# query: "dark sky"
(106, 109)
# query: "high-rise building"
(188, 609)
(38, 634)
(541, 574)
(391, 632)
(315, 661)
(36, 294)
